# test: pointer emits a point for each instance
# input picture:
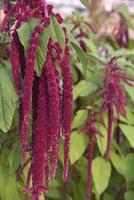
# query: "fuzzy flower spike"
(44, 103)
(114, 96)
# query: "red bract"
(114, 97)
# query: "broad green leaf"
(42, 50)
(25, 32)
(82, 56)
(78, 145)
(118, 162)
(8, 99)
(101, 174)
(124, 166)
(102, 141)
(83, 88)
(129, 169)
(130, 91)
(80, 118)
(128, 131)
(91, 46)
(14, 159)
(129, 195)
(57, 32)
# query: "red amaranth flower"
(114, 97)
(28, 81)
(15, 61)
(40, 143)
(41, 95)
(54, 108)
(66, 108)
(92, 131)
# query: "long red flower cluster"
(114, 96)
(42, 99)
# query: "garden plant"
(66, 103)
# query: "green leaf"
(82, 56)
(129, 169)
(83, 88)
(91, 45)
(124, 166)
(14, 159)
(25, 32)
(57, 32)
(118, 162)
(79, 119)
(42, 50)
(102, 141)
(130, 91)
(8, 99)
(101, 174)
(78, 146)
(129, 195)
(128, 131)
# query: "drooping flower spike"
(114, 96)
(92, 131)
(44, 102)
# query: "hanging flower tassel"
(67, 108)
(15, 61)
(54, 107)
(40, 142)
(28, 81)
